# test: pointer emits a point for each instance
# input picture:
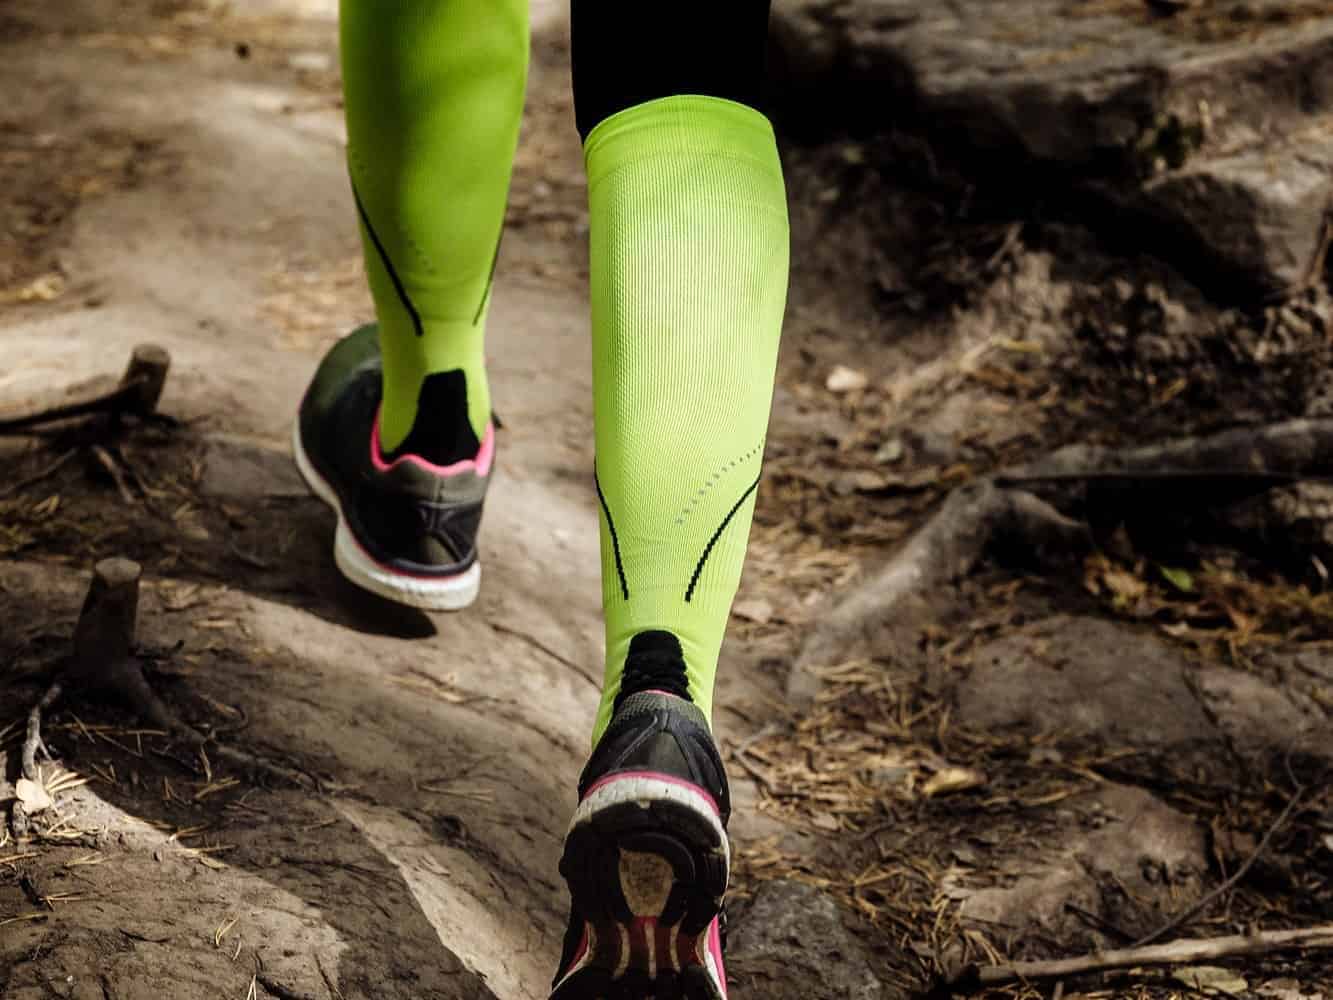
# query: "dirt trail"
(218, 224)
(1040, 757)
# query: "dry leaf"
(41, 289)
(1211, 979)
(952, 779)
(1125, 588)
(33, 796)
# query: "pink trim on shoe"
(656, 776)
(578, 955)
(481, 465)
(715, 946)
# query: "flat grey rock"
(1088, 679)
(792, 934)
(1213, 125)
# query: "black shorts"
(626, 53)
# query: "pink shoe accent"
(656, 776)
(578, 955)
(715, 946)
(481, 465)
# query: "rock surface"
(1041, 679)
(1130, 840)
(1213, 124)
(1148, 693)
(793, 932)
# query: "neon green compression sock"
(434, 96)
(689, 245)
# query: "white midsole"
(645, 790)
(449, 594)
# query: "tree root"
(136, 394)
(974, 978)
(103, 662)
(1001, 510)
(950, 544)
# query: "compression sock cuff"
(686, 123)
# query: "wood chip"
(949, 780)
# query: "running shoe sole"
(647, 861)
(451, 593)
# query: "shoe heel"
(647, 860)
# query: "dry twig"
(975, 978)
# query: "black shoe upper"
(658, 732)
(406, 517)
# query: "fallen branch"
(1290, 451)
(975, 978)
(20, 821)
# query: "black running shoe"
(407, 524)
(647, 860)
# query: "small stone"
(755, 610)
(792, 936)
(33, 795)
(890, 451)
(843, 379)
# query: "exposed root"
(33, 742)
(998, 511)
(104, 663)
(20, 821)
(950, 544)
(39, 475)
(136, 393)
